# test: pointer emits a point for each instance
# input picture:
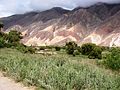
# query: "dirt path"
(8, 84)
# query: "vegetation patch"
(112, 60)
(57, 72)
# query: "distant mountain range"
(99, 24)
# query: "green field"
(57, 72)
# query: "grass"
(57, 72)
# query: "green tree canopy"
(87, 48)
(70, 47)
(1, 25)
(14, 36)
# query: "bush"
(113, 59)
(49, 47)
(12, 40)
(24, 49)
(2, 40)
(1, 25)
(76, 52)
(96, 53)
(105, 48)
(14, 36)
(70, 47)
(79, 49)
(63, 47)
(57, 48)
(2, 43)
(20, 47)
(30, 50)
(87, 48)
(42, 48)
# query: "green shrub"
(9, 45)
(76, 52)
(49, 47)
(42, 47)
(63, 47)
(24, 49)
(2, 39)
(87, 48)
(105, 48)
(21, 47)
(70, 47)
(96, 53)
(1, 25)
(57, 48)
(30, 50)
(79, 49)
(2, 43)
(113, 59)
(14, 36)
(12, 40)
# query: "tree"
(1, 26)
(96, 53)
(70, 47)
(14, 36)
(57, 48)
(2, 42)
(113, 59)
(87, 48)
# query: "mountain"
(99, 24)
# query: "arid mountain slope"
(99, 24)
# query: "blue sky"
(10, 7)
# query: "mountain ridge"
(99, 24)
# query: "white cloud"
(8, 7)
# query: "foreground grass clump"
(57, 72)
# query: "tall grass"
(57, 72)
